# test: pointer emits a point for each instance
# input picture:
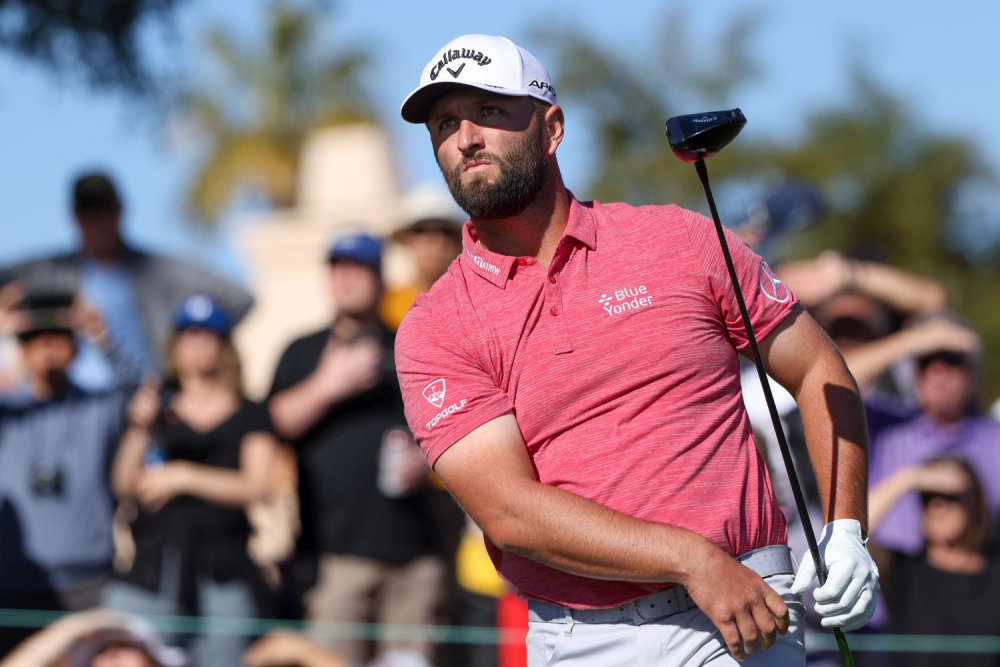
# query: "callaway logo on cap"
(481, 61)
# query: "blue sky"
(940, 58)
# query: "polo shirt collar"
(490, 265)
(497, 268)
(582, 224)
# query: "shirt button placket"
(560, 330)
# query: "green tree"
(270, 99)
(95, 38)
(627, 96)
(896, 190)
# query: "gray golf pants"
(684, 638)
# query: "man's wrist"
(329, 389)
(694, 554)
(845, 526)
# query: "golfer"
(574, 381)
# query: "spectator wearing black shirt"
(194, 460)
(952, 587)
(335, 397)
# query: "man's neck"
(110, 256)
(535, 232)
(46, 389)
(348, 327)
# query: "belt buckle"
(633, 611)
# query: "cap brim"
(438, 224)
(417, 106)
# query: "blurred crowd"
(139, 481)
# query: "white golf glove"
(847, 601)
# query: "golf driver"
(693, 138)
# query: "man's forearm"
(837, 437)
(576, 535)
(296, 410)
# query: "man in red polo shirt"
(574, 381)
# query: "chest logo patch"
(434, 393)
(625, 299)
(773, 289)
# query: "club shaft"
(786, 455)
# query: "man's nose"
(470, 138)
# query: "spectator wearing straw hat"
(432, 234)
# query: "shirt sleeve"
(447, 392)
(287, 373)
(768, 300)
(258, 419)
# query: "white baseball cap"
(481, 61)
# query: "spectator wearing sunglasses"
(949, 423)
(951, 587)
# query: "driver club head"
(702, 135)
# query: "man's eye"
(491, 111)
(446, 123)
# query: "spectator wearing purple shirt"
(949, 423)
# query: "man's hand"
(12, 320)
(346, 369)
(343, 370)
(747, 611)
(847, 600)
(86, 321)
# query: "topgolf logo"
(625, 299)
(434, 393)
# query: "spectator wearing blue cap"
(193, 458)
(335, 399)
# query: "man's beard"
(522, 175)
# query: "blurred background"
(204, 109)
(243, 137)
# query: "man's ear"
(554, 126)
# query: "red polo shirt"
(620, 364)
